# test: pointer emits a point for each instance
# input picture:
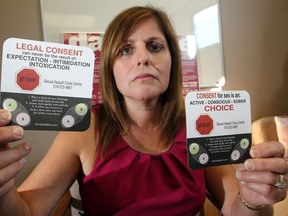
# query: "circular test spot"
(81, 109)
(244, 143)
(235, 155)
(68, 121)
(203, 159)
(10, 104)
(23, 119)
(194, 148)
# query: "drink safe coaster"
(47, 86)
(218, 128)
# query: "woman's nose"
(143, 61)
(143, 57)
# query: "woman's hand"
(259, 175)
(11, 158)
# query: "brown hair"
(112, 114)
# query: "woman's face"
(142, 71)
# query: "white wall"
(255, 35)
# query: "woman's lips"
(144, 76)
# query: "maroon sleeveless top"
(128, 182)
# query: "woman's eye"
(155, 47)
(125, 51)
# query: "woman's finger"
(5, 117)
(10, 134)
(9, 172)
(276, 164)
(265, 193)
(257, 177)
(268, 149)
(13, 155)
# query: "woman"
(132, 159)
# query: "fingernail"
(238, 174)
(18, 132)
(253, 152)
(5, 116)
(22, 161)
(248, 165)
(27, 147)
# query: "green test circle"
(81, 109)
(194, 148)
(10, 104)
(244, 143)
